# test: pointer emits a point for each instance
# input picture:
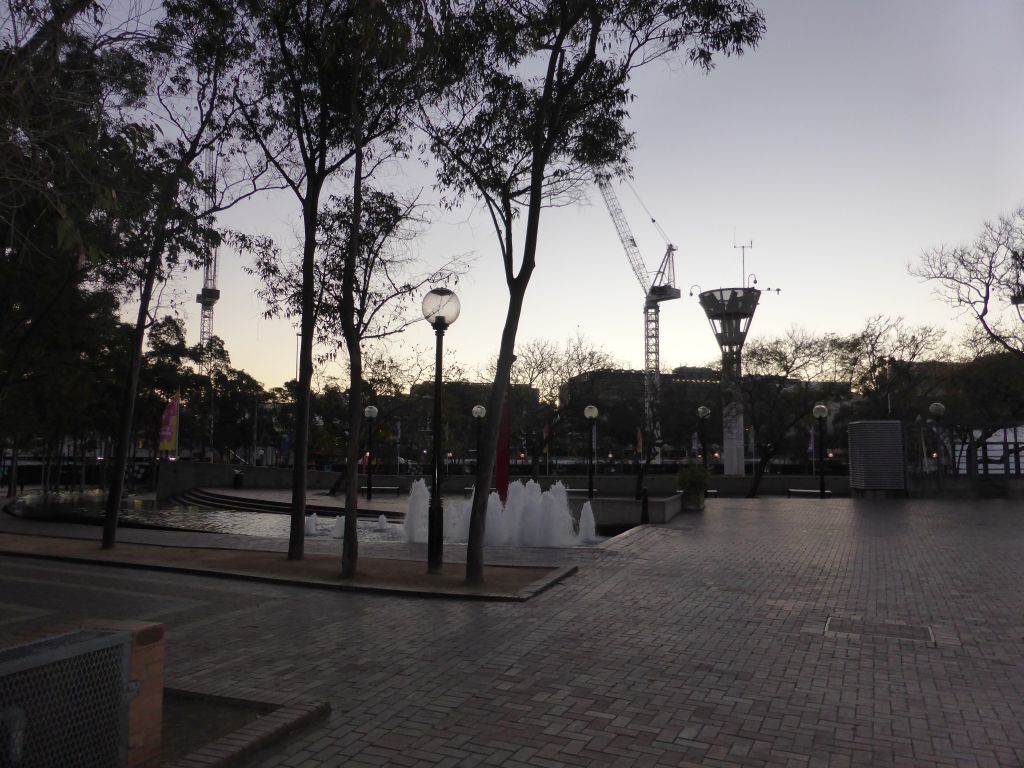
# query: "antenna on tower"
(208, 296)
(743, 250)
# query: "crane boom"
(625, 235)
(661, 288)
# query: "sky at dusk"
(855, 136)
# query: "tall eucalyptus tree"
(545, 108)
(331, 87)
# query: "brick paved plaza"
(759, 633)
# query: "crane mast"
(660, 288)
(209, 294)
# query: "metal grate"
(63, 702)
(880, 628)
(876, 455)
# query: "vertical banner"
(169, 426)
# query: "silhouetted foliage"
(332, 82)
(984, 280)
(783, 379)
(542, 109)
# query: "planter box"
(693, 501)
(624, 511)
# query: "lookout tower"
(730, 310)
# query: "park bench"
(790, 492)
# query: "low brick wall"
(146, 677)
(625, 511)
(177, 477)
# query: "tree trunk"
(60, 463)
(759, 470)
(300, 442)
(81, 475)
(485, 465)
(350, 544)
(127, 409)
(44, 470)
(11, 492)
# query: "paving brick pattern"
(701, 643)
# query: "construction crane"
(208, 296)
(661, 288)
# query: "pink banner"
(169, 426)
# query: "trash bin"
(239, 479)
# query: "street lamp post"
(370, 412)
(702, 419)
(821, 413)
(440, 309)
(478, 418)
(937, 411)
(591, 413)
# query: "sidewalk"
(406, 577)
(758, 634)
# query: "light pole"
(370, 412)
(591, 413)
(820, 412)
(478, 418)
(440, 309)
(702, 420)
(938, 410)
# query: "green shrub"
(693, 477)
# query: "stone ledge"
(289, 714)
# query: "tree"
(166, 371)
(63, 82)
(333, 82)
(545, 109)
(982, 395)
(888, 365)
(547, 365)
(356, 301)
(74, 363)
(67, 82)
(237, 397)
(784, 378)
(984, 280)
(165, 215)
